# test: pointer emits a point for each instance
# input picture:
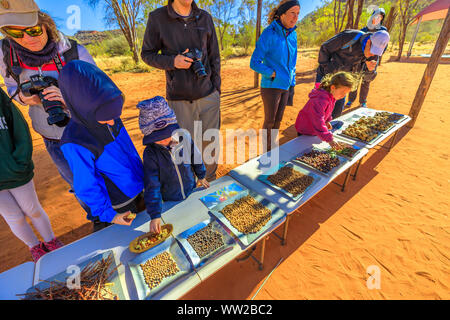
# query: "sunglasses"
(35, 31)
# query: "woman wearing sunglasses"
(33, 46)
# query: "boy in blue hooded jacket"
(170, 159)
(107, 169)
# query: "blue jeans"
(55, 152)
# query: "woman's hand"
(204, 183)
(155, 226)
(120, 218)
(31, 101)
(329, 126)
(53, 94)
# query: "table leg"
(346, 179)
(263, 249)
(285, 231)
(357, 168)
(393, 140)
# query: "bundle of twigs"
(93, 285)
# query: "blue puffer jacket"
(106, 166)
(166, 178)
(276, 51)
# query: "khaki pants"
(206, 110)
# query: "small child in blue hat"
(171, 159)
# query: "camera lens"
(199, 69)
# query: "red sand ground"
(395, 216)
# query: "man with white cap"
(34, 47)
(352, 51)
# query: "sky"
(75, 15)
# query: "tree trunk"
(390, 19)
(358, 14)
(401, 41)
(430, 70)
(351, 6)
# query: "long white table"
(16, 281)
(183, 216)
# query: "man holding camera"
(181, 39)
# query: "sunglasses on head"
(35, 31)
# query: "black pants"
(275, 101)
(363, 93)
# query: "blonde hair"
(340, 79)
(50, 26)
(273, 13)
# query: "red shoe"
(37, 251)
(53, 245)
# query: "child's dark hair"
(340, 79)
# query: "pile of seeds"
(320, 160)
(346, 150)
(206, 241)
(360, 132)
(158, 268)
(391, 117)
(247, 215)
(291, 180)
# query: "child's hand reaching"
(155, 225)
(120, 218)
(204, 183)
(334, 145)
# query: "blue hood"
(89, 93)
(91, 96)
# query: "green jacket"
(16, 148)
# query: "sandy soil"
(395, 216)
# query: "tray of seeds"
(377, 123)
(290, 179)
(99, 279)
(248, 215)
(391, 116)
(205, 242)
(150, 239)
(360, 133)
(160, 269)
(320, 161)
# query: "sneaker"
(363, 105)
(53, 245)
(37, 251)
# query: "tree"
(358, 14)
(339, 17)
(407, 11)
(223, 13)
(392, 15)
(350, 5)
(125, 14)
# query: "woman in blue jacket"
(275, 57)
(108, 172)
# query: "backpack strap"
(72, 53)
(12, 64)
(353, 41)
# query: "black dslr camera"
(197, 65)
(36, 85)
